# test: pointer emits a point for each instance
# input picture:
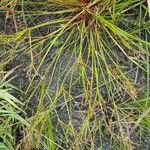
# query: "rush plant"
(85, 52)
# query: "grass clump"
(10, 118)
(85, 60)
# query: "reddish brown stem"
(85, 1)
